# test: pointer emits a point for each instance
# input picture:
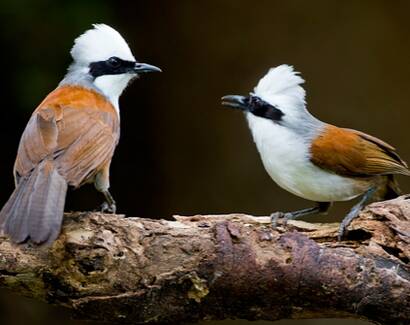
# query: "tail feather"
(392, 188)
(16, 225)
(35, 209)
(47, 205)
(388, 189)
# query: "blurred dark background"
(180, 151)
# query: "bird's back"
(77, 127)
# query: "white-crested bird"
(312, 159)
(71, 136)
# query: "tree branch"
(133, 270)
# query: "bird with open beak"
(71, 136)
(312, 159)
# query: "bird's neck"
(304, 123)
(110, 86)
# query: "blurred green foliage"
(39, 34)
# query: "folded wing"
(352, 153)
(79, 137)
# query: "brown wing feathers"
(80, 135)
(352, 153)
(70, 137)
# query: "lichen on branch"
(134, 270)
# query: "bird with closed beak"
(71, 136)
(312, 159)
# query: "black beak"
(145, 67)
(235, 101)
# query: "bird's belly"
(286, 158)
(311, 183)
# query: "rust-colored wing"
(75, 126)
(352, 153)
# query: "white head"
(277, 97)
(103, 57)
(99, 44)
(280, 87)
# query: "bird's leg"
(354, 212)
(109, 205)
(321, 207)
(102, 184)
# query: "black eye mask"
(260, 108)
(112, 66)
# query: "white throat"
(112, 86)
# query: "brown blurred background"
(180, 151)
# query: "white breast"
(285, 156)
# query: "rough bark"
(133, 270)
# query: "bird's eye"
(114, 62)
(254, 100)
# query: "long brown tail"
(35, 209)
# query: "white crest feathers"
(99, 44)
(281, 86)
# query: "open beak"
(235, 101)
(145, 67)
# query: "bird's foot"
(343, 226)
(341, 232)
(354, 212)
(280, 218)
(108, 208)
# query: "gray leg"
(354, 212)
(321, 207)
(109, 205)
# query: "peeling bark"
(134, 270)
